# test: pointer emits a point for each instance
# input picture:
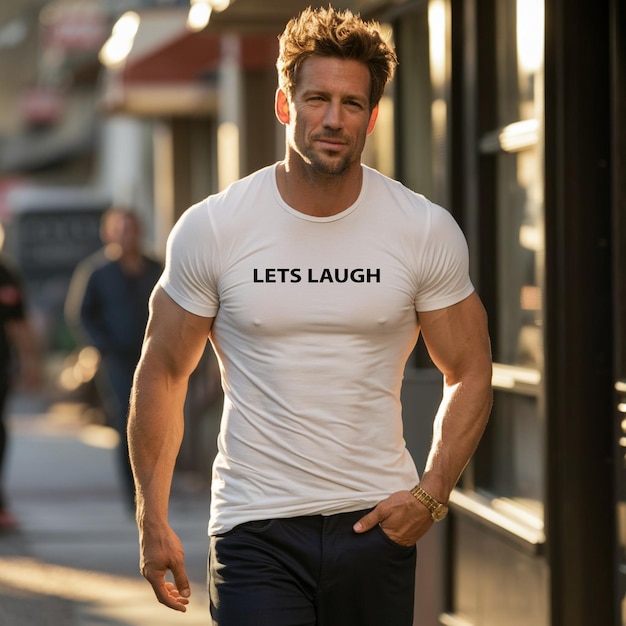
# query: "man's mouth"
(330, 142)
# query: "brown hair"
(328, 32)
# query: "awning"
(255, 15)
(171, 71)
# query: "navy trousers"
(310, 571)
(119, 370)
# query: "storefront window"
(415, 143)
(509, 465)
(379, 151)
(519, 234)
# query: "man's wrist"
(438, 510)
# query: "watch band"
(437, 509)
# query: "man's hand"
(402, 518)
(162, 552)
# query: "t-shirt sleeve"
(190, 272)
(445, 278)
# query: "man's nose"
(334, 115)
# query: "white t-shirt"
(314, 321)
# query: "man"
(110, 230)
(110, 250)
(113, 311)
(17, 338)
(313, 279)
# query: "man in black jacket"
(17, 339)
(113, 312)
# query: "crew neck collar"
(314, 218)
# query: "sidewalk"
(74, 562)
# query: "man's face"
(130, 235)
(125, 232)
(329, 116)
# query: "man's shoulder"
(410, 207)
(101, 267)
(259, 179)
(93, 261)
(379, 182)
(237, 192)
(152, 261)
(239, 201)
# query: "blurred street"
(73, 561)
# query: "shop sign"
(73, 25)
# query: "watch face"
(439, 513)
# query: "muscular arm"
(458, 343)
(173, 345)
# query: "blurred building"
(508, 112)
(48, 64)
(49, 199)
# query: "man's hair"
(332, 33)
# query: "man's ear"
(373, 118)
(281, 106)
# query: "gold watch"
(437, 509)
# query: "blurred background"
(510, 113)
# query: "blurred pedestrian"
(20, 362)
(109, 251)
(112, 311)
(99, 392)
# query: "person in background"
(76, 290)
(109, 251)
(20, 360)
(313, 278)
(112, 312)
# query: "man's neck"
(319, 195)
(131, 262)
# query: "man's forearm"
(458, 427)
(155, 432)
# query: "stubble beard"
(325, 163)
(329, 166)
